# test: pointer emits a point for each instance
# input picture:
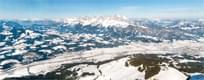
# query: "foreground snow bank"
(169, 74)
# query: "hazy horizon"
(49, 9)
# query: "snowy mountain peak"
(105, 21)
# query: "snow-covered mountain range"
(26, 43)
(104, 21)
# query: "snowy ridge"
(105, 21)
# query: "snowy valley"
(102, 48)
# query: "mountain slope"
(25, 44)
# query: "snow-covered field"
(113, 69)
(102, 48)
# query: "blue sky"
(131, 8)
